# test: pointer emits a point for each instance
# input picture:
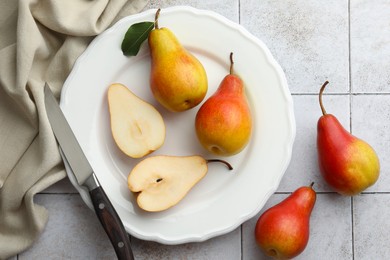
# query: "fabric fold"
(40, 42)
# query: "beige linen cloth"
(39, 42)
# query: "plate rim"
(185, 238)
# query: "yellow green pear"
(178, 80)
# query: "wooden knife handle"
(111, 224)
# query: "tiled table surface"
(345, 42)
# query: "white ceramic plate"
(223, 199)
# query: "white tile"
(330, 230)
(224, 247)
(370, 48)
(371, 123)
(72, 232)
(371, 226)
(309, 39)
(303, 168)
(227, 8)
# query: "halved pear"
(162, 181)
(137, 127)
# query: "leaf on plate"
(135, 36)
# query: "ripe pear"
(348, 164)
(223, 123)
(282, 231)
(162, 181)
(178, 80)
(137, 127)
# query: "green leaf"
(135, 36)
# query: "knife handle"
(111, 224)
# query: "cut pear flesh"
(162, 181)
(137, 127)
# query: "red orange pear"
(283, 230)
(348, 164)
(223, 123)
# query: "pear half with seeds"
(162, 181)
(137, 127)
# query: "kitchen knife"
(86, 177)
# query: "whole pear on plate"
(223, 123)
(178, 80)
(348, 164)
(136, 126)
(162, 181)
(283, 230)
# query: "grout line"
(239, 11)
(333, 192)
(374, 192)
(371, 94)
(349, 47)
(352, 231)
(342, 94)
(318, 192)
(242, 244)
(349, 66)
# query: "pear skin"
(283, 230)
(223, 123)
(178, 80)
(136, 126)
(348, 164)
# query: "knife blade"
(86, 177)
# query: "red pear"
(348, 164)
(283, 230)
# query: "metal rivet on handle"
(101, 206)
(121, 244)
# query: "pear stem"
(156, 19)
(222, 161)
(311, 184)
(320, 97)
(231, 63)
